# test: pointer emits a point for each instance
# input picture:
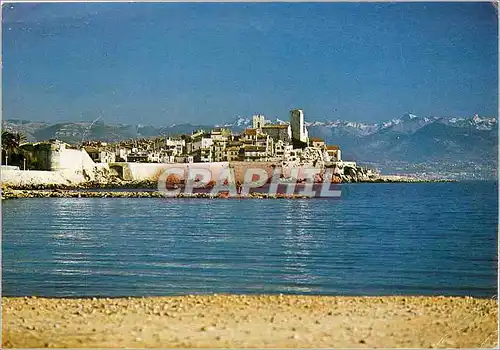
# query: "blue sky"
(164, 63)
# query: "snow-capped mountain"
(241, 123)
(407, 124)
(476, 121)
(347, 126)
(406, 138)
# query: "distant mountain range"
(410, 138)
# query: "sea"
(376, 239)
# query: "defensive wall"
(40, 177)
(62, 166)
(70, 159)
(152, 171)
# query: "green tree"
(11, 143)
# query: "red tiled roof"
(332, 148)
(250, 132)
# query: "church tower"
(258, 121)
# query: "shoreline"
(149, 189)
(18, 194)
(142, 193)
(250, 321)
(151, 184)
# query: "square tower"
(258, 121)
(299, 130)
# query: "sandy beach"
(250, 321)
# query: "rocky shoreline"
(89, 185)
(250, 321)
(392, 179)
(16, 194)
(150, 184)
(149, 189)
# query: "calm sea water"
(378, 239)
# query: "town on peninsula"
(249, 175)
(56, 165)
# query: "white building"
(155, 157)
(220, 134)
(282, 150)
(178, 144)
(202, 147)
(333, 154)
(299, 130)
(122, 153)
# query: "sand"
(250, 321)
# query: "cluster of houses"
(264, 142)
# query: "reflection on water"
(394, 239)
(297, 245)
(70, 227)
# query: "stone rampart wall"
(40, 177)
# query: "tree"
(11, 143)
